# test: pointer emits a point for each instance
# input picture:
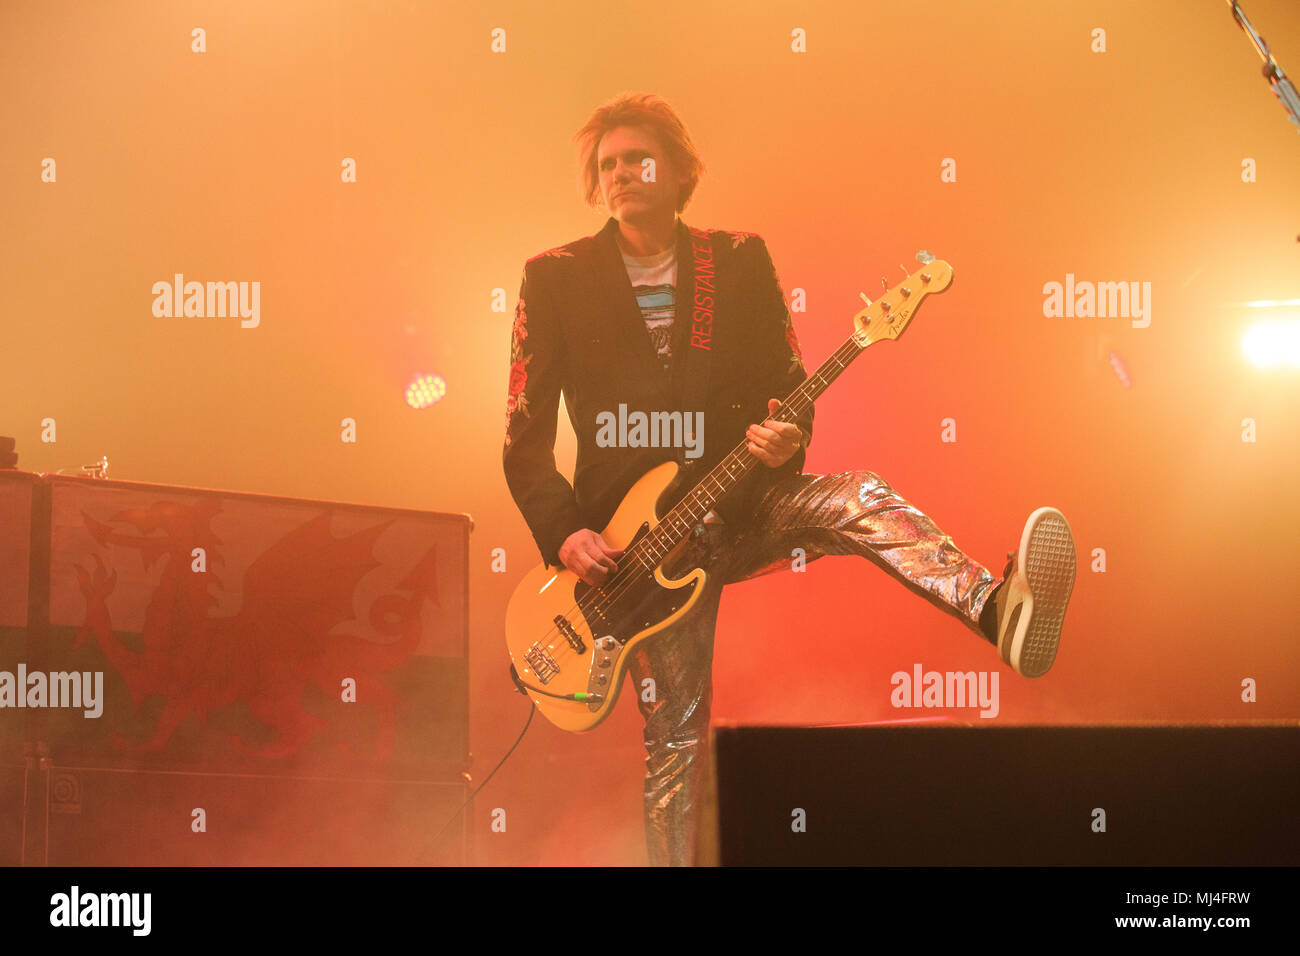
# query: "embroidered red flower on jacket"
(520, 330)
(517, 401)
(518, 378)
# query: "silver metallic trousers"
(855, 512)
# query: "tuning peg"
(865, 299)
(925, 258)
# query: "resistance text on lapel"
(702, 305)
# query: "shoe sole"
(1046, 565)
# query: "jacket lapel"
(625, 313)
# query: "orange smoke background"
(1117, 166)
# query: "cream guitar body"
(588, 647)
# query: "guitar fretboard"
(731, 470)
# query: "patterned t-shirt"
(654, 280)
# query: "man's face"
(619, 161)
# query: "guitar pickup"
(570, 634)
(542, 663)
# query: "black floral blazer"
(579, 331)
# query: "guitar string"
(850, 349)
(635, 565)
(627, 577)
(793, 406)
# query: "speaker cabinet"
(1114, 795)
(208, 676)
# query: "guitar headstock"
(888, 316)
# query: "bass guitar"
(571, 643)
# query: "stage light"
(1273, 342)
(425, 390)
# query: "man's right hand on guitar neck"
(586, 554)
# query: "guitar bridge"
(570, 634)
(542, 663)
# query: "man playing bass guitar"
(651, 317)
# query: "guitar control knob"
(604, 662)
(601, 679)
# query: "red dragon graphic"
(276, 647)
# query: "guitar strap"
(696, 312)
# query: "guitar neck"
(886, 319)
(731, 470)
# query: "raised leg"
(857, 512)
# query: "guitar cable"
(580, 696)
(523, 688)
(461, 809)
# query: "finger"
(782, 435)
(758, 431)
(761, 454)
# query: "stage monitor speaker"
(964, 795)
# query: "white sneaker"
(1036, 588)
